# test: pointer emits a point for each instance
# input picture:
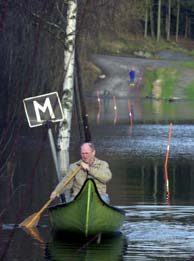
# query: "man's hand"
(85, 166)
(53, 195)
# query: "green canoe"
(87, 214)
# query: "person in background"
(90, 167)
(132, 75)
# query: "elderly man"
(90, 167)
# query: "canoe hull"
(88, 214)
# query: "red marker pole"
(168, 146)
(130, 113)
(98, 97)
(166, 162)
(99, 106)
(115, 109)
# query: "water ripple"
(156, 232)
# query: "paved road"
(116, 71)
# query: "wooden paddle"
(33, 219)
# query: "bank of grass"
(91, 72)
(128, 45)
(189, 64)
(189, 91)
(159, 83)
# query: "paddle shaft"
(60, 190)
(33, 220)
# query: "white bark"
(67, 99)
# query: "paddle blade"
(34, 233)
(31, 221)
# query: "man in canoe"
(90, 167)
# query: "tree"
(151, 20)
(168, 21)
(159, 21)
(146, 19)
(67, 98)
(177, 20)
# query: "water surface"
(158, 205)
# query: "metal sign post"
(43, 110)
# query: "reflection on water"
(160, 215)
(151, 232)
(145, 110)
(159, 233)
(138, 162)
(65, 247)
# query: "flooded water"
(159, 204)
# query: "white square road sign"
(43, 108)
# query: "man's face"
(87, 154)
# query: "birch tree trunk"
(67, 98)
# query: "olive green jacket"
(99, 170)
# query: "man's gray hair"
(90, 144)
